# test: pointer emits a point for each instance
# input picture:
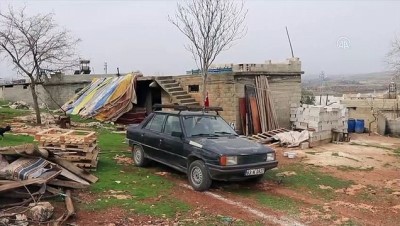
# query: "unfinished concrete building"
(224, 89)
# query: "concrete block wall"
(319, 119)
(285, 90)
(221, 92)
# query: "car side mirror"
(177, 134)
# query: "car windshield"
(208, 126)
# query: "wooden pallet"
(68, 147)
(266, 137)
(64, 136)
(76, 146)
(76, 157)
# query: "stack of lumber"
(76, 146)
(266, 108)
(257, 110)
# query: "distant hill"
(350, 83)
(384, 75)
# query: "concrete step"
(168, 81)
(189, 100)
(164, 78)
(178, 93)
(174, 89)
(184, 96)
(171, 85)
(191, 104)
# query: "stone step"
(171, 85)
(163, 78)
(168, 81)
(174, 89)
(191, 104)
(184, 96)
(189, 100)
(178, 93)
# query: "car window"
(172, 125)
(156, 123)
(149, 123)
(206, 126)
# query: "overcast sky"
(338, 37)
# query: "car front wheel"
(138, 156)
(198, 176)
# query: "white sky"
(136, 35)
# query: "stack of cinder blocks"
(319, 120)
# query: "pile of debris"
(31, 173)
(20, 105)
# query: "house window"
(193, 88)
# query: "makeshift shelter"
(105, 99)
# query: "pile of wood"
(257, 110)
(266, 108)
(76, 146)
(29, 174)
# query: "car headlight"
(228, 160)
(270, 156)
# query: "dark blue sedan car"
(200, 144)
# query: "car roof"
(199, 113)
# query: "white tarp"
(292, 138)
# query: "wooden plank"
(18, 184)
(255, 116)
(67, 184)
(76, 170)
(69, 204)
(66, 173)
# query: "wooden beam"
(76, 170)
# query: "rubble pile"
(20, 105)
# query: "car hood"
(229, 145)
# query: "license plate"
(251, 172)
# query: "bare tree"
(211, 27)
(35, 44)
(393, 56)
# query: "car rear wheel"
(138, 156)
(198, 176)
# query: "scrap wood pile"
(77, 146)
(257, 110)
(105, 99)
(30, 175)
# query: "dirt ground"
(372, 199)
(372, 163)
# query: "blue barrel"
(359, 126)
(351, 125)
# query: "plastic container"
(359, 127)
(351, 125)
